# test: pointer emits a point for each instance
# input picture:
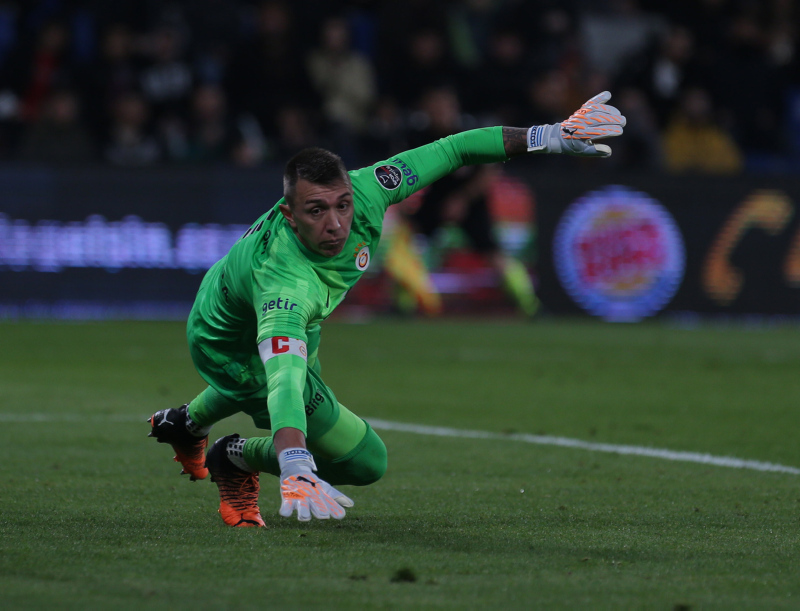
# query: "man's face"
(321, 215)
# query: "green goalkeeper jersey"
(255, 321)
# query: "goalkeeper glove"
(303, 491)
(575, 136)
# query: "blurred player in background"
(254, 330)
(459, 199)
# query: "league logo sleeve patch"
(275, 346)
(388, 176)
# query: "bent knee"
(373, 471)
(370, 464)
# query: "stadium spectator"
(212, 136)
(166, 80)
(215, 27)
(743, 52)
(469, 26)
(114, 73)
(499, 84)
(694, 142)
(663, 70)
(750, 86)
(254, 330)
(267, 73)
(614, 30)
(296, 130)
(397, 20)
(550, 31)
(34, 71)
(166, 83)
(345, 81)
(642, 147)
(460, 200)
(130, 142)
(548, 94)
(426, 62)
(58, 137)
(386, 131)
(8, 31)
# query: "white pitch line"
(565, 442)
(33, 418)
(442, 431)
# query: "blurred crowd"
(707, 85)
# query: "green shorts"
(242, 380)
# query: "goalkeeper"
(254, 330)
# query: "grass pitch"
(94, 515)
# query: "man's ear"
(286, 211)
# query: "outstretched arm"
(393, 180)
(515, 141)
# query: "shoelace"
(240, 491)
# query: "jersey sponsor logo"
(315, 402)
(411, 178)
(388, 176)
(275, 346)
(619, 254)
(362, 257)
(277, 304)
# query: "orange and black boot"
(238, 489)
(170, 426)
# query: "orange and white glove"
(304, 492)
(577, 135)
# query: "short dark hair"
(315, 165)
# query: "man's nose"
(332, 222)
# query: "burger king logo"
(619, 254)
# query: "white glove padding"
(575, 136)
(303, 491)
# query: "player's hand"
(304, 492)
(577, 135)
(310, 496)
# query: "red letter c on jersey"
(280, 345)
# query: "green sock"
(518, 283)
(259, 454)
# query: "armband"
(276, 346)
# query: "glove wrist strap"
(295, 460)
(539, 139)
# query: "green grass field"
(94, 515)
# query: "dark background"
(184, 111)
